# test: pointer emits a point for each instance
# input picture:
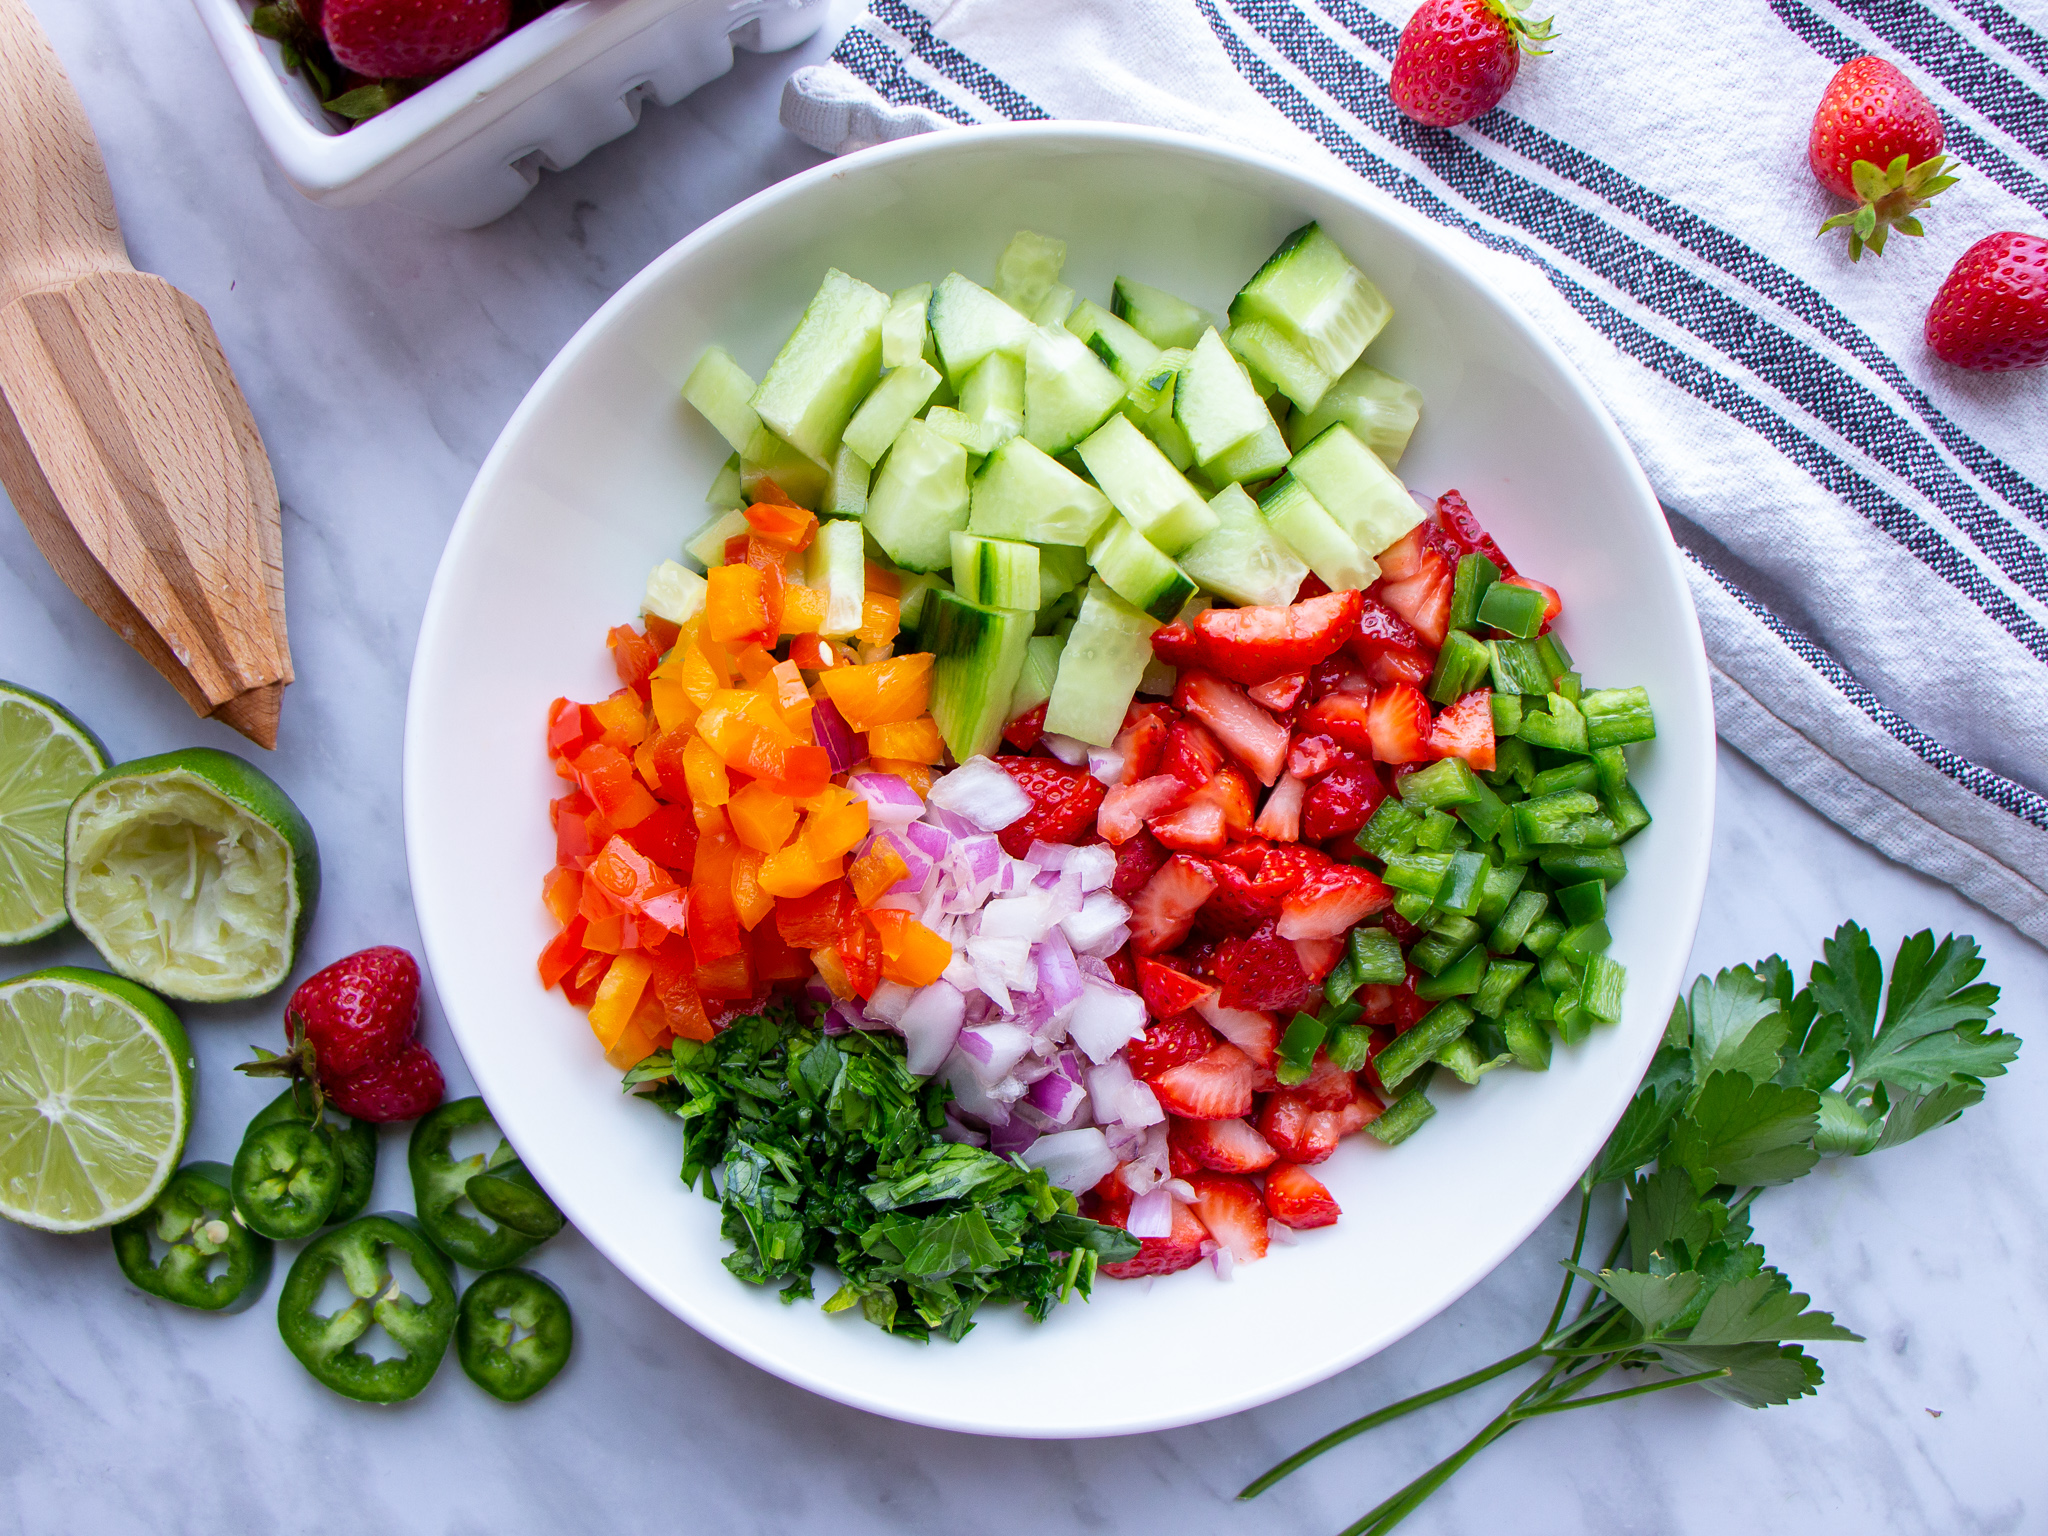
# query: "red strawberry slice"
(1296, 1198)
(1168, 1043)
(1177, 645)
(1241, 902)
(1454, 516)
(1393, 666)
(1398, 724)
(1226, 1146)
(1295, 1131)
(1328, 1087)
(1024, 731)
(1465, 730)
(1193, 828)
(1344, 718)
(1318, 957)
(1128, 806)
(1142, 741)
(1256, 1034)
(1256, 645)
(1216, 1087)
(1167, 991)
(1415, 582)
(1280, 817)
(1332, 901)
(1341, 802)
(1379, 627)
(1165, 909)
(1064, 801)
(1248, 857)
(1280, 694)
(1137, 861)
(1192, 755)
(1230, 1207)
(1180, 1249)
(1395, 1006)
(1247, 732)
(1261, 971)
(1312, 754)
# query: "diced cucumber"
(1106, 653)
(1243, 560)
(1054, 308)
(903, 392)
(707, 545)
(968, 322)
(1271, 355)
(916, 587)
(992, 397)
(957, 427)
(1309, 291)
(1366, 498)
(1259, 457)
(837, 565)
(1068, 391)
(1061, 568)
(1135, 571)
(1379, 408)
(725, 486)
(919, 499)
(1142, 483)
(847, 496)
(997, 573)
(1306, 527)
(1020, 493)
(1159, 423)
(1028, 269)
(722, 390)
(1130, 356)
(1215, 403)
(768, 457)
(827, 366)
(1034, 684)
(674, 592)
(977, 656)
(904, 334)
(1156, 315)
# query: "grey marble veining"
(381, 356)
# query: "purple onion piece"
(842, 747)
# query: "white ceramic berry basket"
(465, 150)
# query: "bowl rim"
(1694, 830)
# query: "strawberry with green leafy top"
(1457, 58)
(1877, 139)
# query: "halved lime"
(46, 758)
(192, 873)
(95, 1098)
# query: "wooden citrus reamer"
(125, 443)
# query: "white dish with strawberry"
(590, 486)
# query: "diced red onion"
(1067, 749)
(1017, 1136)
(933, 842)
(1059, 978)
(891, 802)
(1181, 1190)
(888, 1001)
(1280, 1232)
(1105, 765)
(968, 1094)
(982, 793)
(1143, 1154)
(1151, 1214)
(1075, 1160)
(842, 748)
(930, 1022)
(994, 1048)
(1016, 917)
(958, 1130)
(1057, 1096)
(1101, 918)
(1220, 1258)
(1105, 1019)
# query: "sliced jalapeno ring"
(287, 1178)
(440, 1182)
(212, 1261)
(354, 1140)
(511, 1196)
(514, 1333)
(326, 1344)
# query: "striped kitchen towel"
(1867, 528)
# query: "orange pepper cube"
(623, 720)
(795, 870)
(836, 824)
(880, 618)
(910, 741)
(704, 773)
(875, 871)
(789, 526)
(881, 692)
(762, 817)
(736, 605)
(803, 610)
(748, 899)
(911, 953)
(618, 995)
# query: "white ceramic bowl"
(598, 476)
(467, 148)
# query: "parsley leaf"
(1934, 1016)
(1763, 1307)
(1737, 1025)
(1739, 1131)
(1760, 1375)
(1646, 1123)
(1914, 1114)
(1654, 1301)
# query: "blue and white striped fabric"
(1868, 528)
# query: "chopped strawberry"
(1465, 730)
(1256, 1034)
(1247, 732)
(1064, 801)
(1312, 755)
(1256, 645)
(1180, 1249)
(1295, 1131)
(1192, 755)
(1328, 1087)
(1247, 857)
(1261, 970)
(1415, 582)
(1168, 992)
(1137, 861)
(1168, 1043)
(1197, 827)
(1128, 806)
(1379, 627)
(1344, 718)
(1394, 665)
(1230, 1207)
(1242, 901)
(1281, 693)
(1318, 957)
(1455, 517)
(1399, 724)
(1332, 901)
(1122, 970)
(1024, 731)
(1312, 585)
(1142, 741)
(1280, 817)
(1296, 1198)
(1553, 605)
(1218, 1086)
(1226, 1146)
(1177, 645)
(1396, 1006)
(1165, 909)
(1341, 802)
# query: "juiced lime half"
(192, 873)
(46, 758)
(95, 1098)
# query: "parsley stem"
(1391, 1512)
(1614, 1397)
(1578, 1246)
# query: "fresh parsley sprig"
(1754, 1083)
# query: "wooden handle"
(56, 210)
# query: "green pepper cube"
(1405, 1116)
(1484, 814)
(1517, 921)
(1298, 1047)
(1514, 762)
(1475, 577)
(1572, 1020)
(1463, 882)
(1502, 978)
(1376, 954)
(1507, 715)
(1601, 996)
(1543, 935)
(1571, 686)
(1461, 978)
(1421, 872)
(1617, 716)
(1516, 611)
(1461, 666)
(1585, 902)
(1466, 1061)
(1610, 768)
(1413, 908)
(1445, 782)
(1553, 657)
(1568, 866)
(1503, 884)
(1546, 818)
(1528, 1041)
(1409, 1051)
(1560, 726)
(1584, 941)
(1390, 831)
(1581, 775)
(1626, 810)
(1516, 667)
(1441, 832)
(1349, 1047)
(1440, 945)
(1559, 974)
(1537, 1000)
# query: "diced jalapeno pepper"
(1573, 1022)
(1404, 1117)
(439, 1183)
(1371, 955)
(1610, 768)
(1585, 902)
(1571, 686)
(514, 1333)
(512, 1197)
(1467, 1060)
(1474, 578)
(1568, 866)
(1513, 761)
(1418, 1044)
(194, 1217)
(1390, 830)
(1626, 810)
(1560, 974)
(1543, 935)
(1517, 668)
(1460, 978)
(1555, 659)
(1441, 831)
(287, 1178)
(355, 1142)
(1584, 942)
(1298, 1047)
(1421, 872)
(1461, 666)
(1560, 727)
(1580, 775)
(1601, 995)
(1502, 886)
(1463, 882)
(1616, 716)
(326, 1344)
(1528, 1040)
(1516, 611)
(1413, 908)
(1516, 922)
(1437, 949)
(1448, 781)
(1486, 811)
(1507, 714)
(1502, 978)
(1349, 1047)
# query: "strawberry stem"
(1889, 199)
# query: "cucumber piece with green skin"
(826, 368)
(722, 392)
(1259, 457)
(889, 407)
(904, 333)
(968, 323)
(996, 573)
(1157, 315)
(992, 397)
(1159, 423)
(725, 487)
(1272, 357)
(837, 566)
(1143, 485)
(919, 499)
(1106, 654)
(1366, 498)
(1136, 572)
(707, 544)
(1215, 403)
(977, 656)
(1053, 309)
(1021, 493)
(1034, 684)
(847, 495)
(768, 457)
(1028, 270)
(1306, 527)
(1311, 294)
(1068, 390)
(1380, 409)
(1243, 560)
(1130, 356)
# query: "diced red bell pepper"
(668, 836)
(607, 777)
(813, 921)
(714, 928)
(736, 606)
(564, 952)
(730, 977)
(774, 960)
(561, 892)
(570, 727)
(860, 952)
(790, 527)
(634, 656)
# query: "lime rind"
(192, 873)
(46, 756)
(95, 1098)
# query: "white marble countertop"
(381, 356)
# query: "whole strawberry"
(402, 1088)
(405, 39)
(349, 1031)
(1457, 58)
(1992, 312)
(1877, 139)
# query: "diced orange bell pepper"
(795, 870)
(910, 741)
(682, 1008)
(736, 606)
(580, 986)
(811, 921)
(704, 774)
(881, 692)
(634, 656)
(607, 935)
(860, 951)
(755, 663)
(880, 578)
(670, 688)
(730, 979)
(881, 617)
(832, 971)
(795, 770)
(774, 960)
(645, 1033)
(748, 899)
(836, 823)
(911, 953)
(815, 654)
(660, 632)
(789, 526)
(606, 775)
(560, 891)
(621, 720)
(919, 776)
(645, 766)
(564, 952)
(875, 871)
(618, 995)
(772, 561)
(705, 667)
(803, 611)
(714, 922)
(762, 817)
